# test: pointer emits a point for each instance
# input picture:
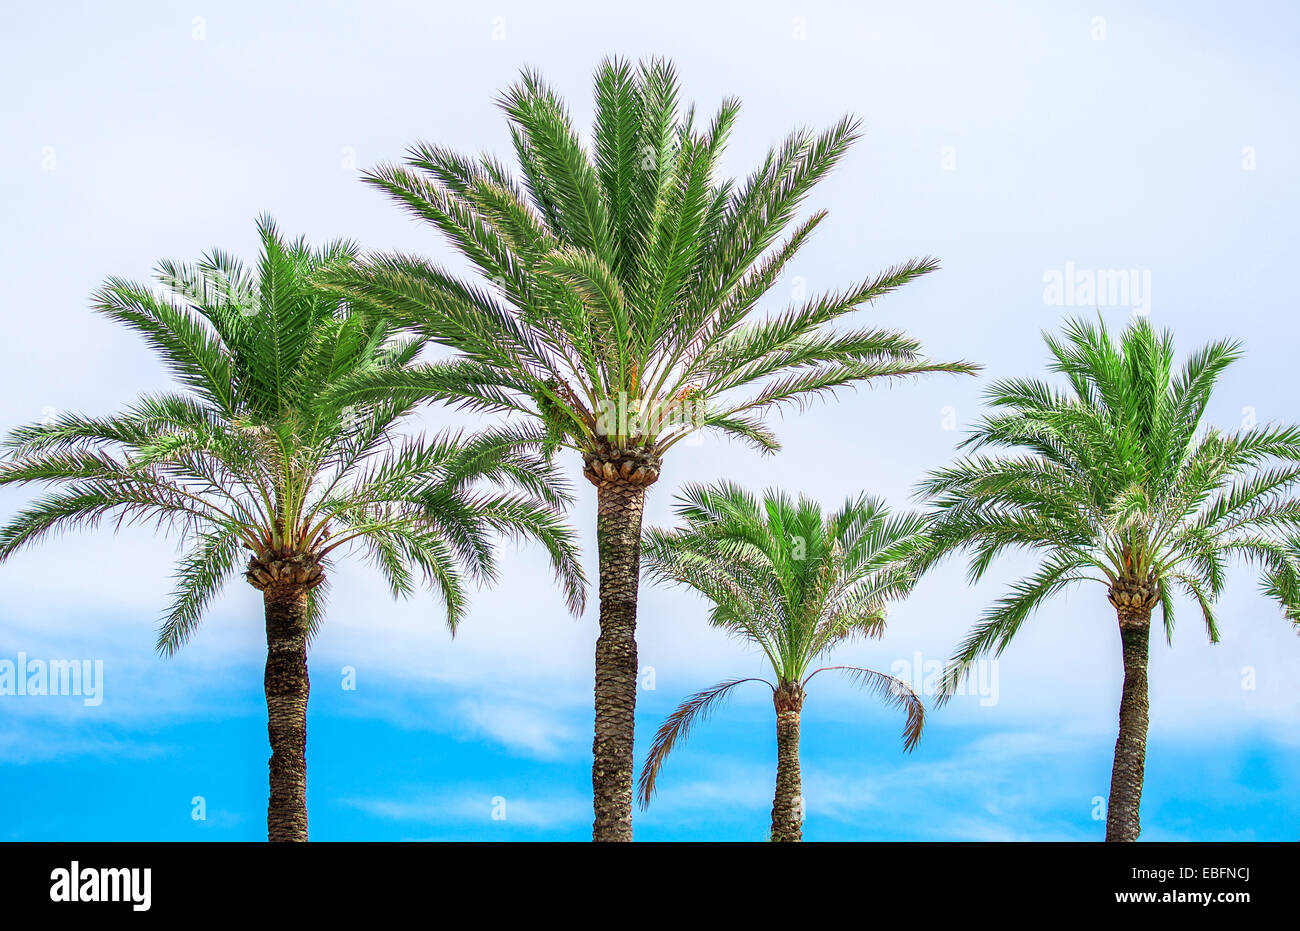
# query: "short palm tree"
(259, 456)
(1115, 480)
(618, 311)
(795, 583)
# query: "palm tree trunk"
(1122, 823)
(787, 805)
(287, 687)
(618, 538)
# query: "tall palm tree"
(259, 455)
(619, 312)
(795, 583)
(1115, 480)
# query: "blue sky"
(1013, 140)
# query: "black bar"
(566, 880)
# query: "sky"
(1031, 146)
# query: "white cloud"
(460, 807)
(519, 727)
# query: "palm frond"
(677, 727)
(894, 690)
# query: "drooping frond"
(200, 575)
(677, 727)
(894, 690)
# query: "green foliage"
(1115, 477)
(623, 278)
(783, 576)
(263, 455)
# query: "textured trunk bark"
(787, 804)
(618, 535)
(287, 687)
(1122, 822)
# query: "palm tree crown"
(261, 455)
(1118, 482)
(623, 278)
(792, 581)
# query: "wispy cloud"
(21, 743)
(532, 729)
(468, 808)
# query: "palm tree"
(795, 583)
(621, 314)
(1116, 481)
(260, 455)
